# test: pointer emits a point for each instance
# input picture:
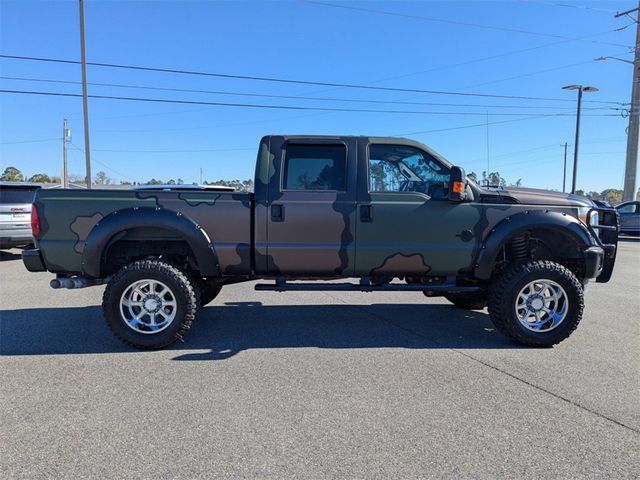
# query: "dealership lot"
(316, 385)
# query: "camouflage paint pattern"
(82, 226)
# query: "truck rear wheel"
(150, 304)
(537, 303)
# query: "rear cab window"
(313, 167)
(17, 195)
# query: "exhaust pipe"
(72, 283)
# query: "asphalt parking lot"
(317, 385)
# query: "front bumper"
(606, 234)
(32, 259)
(593, 262)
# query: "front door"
(311, 211)
(406, 225)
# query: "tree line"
(12, 174)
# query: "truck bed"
(68, 216)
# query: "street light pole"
(575, 146)
(580, 89)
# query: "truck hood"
(535, 196)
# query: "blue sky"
(416, 45)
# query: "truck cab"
(358, 206)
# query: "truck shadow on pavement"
(5, 256)
(225, 330)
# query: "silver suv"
(15, 213)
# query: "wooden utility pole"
(85, 102)
(564, 170)
(65, 147)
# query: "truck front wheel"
(150, 304)
(537, 303)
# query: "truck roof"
(369, 139)
(165, 187)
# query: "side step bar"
(283, 286)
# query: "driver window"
(629, 208)
(400, 168)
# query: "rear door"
(311, 210)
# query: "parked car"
(15, 212)
(629, 217)
(389, 211)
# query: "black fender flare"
(121, 220)
(519, 223)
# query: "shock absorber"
(518, 247)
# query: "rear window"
(17, 195)
(315, 167)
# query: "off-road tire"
(503, 294)
(182, 287)
(468, 301)
(209, 290)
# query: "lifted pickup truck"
(387, 211)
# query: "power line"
(457, 22)
(530, 74)
(31, 141)
(601, 153)
(517, 153)
(275, 107)
(461, 127)
(550, 147)
(293, 97)
(606, 140)
(493, 57)
(178, 151)
(287, 81)
(103, 164)
(568, 5)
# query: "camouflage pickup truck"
(389, 212)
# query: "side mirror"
(457, 185)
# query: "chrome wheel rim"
(148, 306)
(541, 305)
